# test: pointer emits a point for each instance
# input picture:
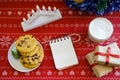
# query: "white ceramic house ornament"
(40, 17)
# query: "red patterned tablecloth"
(11, 14)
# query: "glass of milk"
(100, 29)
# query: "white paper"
(63, 53)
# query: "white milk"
(100, 29)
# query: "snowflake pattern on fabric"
(4, 73)
(5, 41)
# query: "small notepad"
(63, 53)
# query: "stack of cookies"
(30, 50)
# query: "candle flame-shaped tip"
(49, 8)
(43, 7)
(55, 8)
(28, 15)
(24, 19)
(37, 7)
(33, 11)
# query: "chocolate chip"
(33, 59)
(22, 41)
(36, 58)
(19, 45)
(28, 46)
(28, 59)
(29, 63)
(36, 54)
(32, 36)
(26, 38)
(23, 62)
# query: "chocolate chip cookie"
(32, 61)
(26, 43)
(32, 52)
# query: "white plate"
(15, 63)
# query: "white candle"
(100, 29)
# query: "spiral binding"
(59, 39)
(63, 38)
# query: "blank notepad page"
(63, 53)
